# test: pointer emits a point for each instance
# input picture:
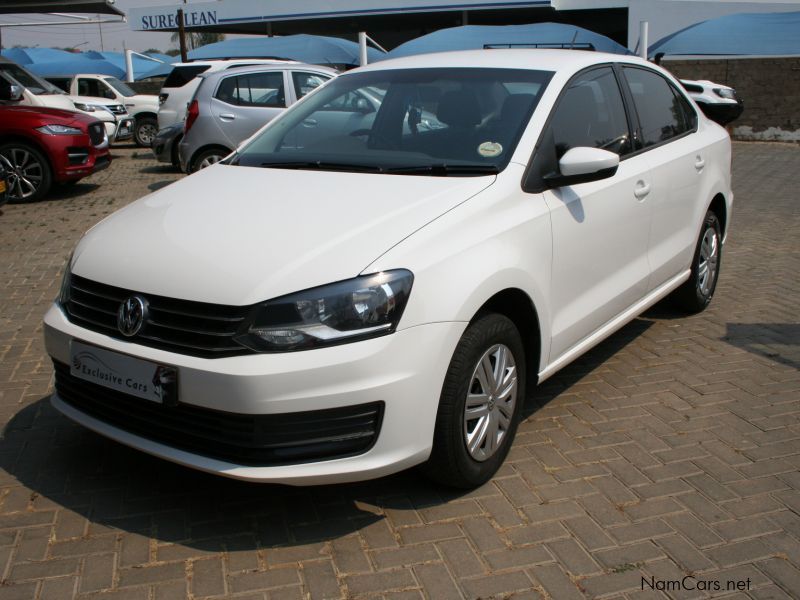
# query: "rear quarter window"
(180, 76)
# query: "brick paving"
(672, 449)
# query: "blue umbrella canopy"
(28, 56)
(75, 66)
(314, 49)
(141, 66)
(748, 34)
(473, 37)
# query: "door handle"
(641, 190)
(699, 163)
(227, 116)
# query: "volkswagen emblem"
(131, 315)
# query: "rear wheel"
(207, 158)
(145, 131)
(480, 405)
(29, 174)
(695, 295)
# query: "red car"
(46, 145)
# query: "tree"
(195, 39)
(152, 51)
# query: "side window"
(591, 113)
(89, 87)
(107, 92)
(663, 113)
(257, 89)
(305, 82)
(262, 89)
(228, 91)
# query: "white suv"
(352, 293)
(182, 82)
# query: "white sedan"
(343, 298)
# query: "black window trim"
(675, 90)
(537, 186)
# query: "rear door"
(244, 103)
(676, 154)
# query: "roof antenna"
(572, 43)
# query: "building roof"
(59, 6)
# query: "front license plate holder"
(144, 379)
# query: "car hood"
(52, 116)
(240, 235)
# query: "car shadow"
(778, 342)
(159, 169)
(157, 185)
(72, 190)
(117, 487)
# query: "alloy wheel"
(146, 133)
(490, 403)
(708, 260)
(25, 175)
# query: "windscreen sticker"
(490, 149)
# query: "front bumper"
(390, 369)
(123, 131)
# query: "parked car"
(376, 298)
(143, 108)
(719, 102)
(181, 84)
(20, 87)
(231, 105)
(165, 144)
(43, 146)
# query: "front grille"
(97, 133)
(263, 440)
(118, 109)
(182, 326)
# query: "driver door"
(600, 228)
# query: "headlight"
(85, 107)
(726, 93)
(346, 311)
(59, 130)
(63, 293)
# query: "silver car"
(231, 105)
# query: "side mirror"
(363, 106)
(12, 93)
(581, 165)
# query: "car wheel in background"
(480, 405)
(145, 131)
(30, 176)
(694, 295)
(207, 158)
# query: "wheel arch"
(145, 115)
(518, 306)
(205, 148)
(720, 208)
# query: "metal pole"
(182, 36)
(643, 27)
(129, 65)
(362, 48)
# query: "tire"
(208, 157)
(144, 132)
(459, 458)
(31, 177)
(695, 295)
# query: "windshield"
(122, 88)
(464, 121)
(28, 80)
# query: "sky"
(116, 36)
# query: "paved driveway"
(672, 449)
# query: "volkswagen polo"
(377, 278)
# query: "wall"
(769, 88)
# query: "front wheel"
(145, 131)
(28, 172)
(480, 405)
(695, 295)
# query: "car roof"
(536, 59)
(267, 67)
(212, 62)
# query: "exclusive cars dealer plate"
(123, 373)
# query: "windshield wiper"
(323, 166)
(443, 170)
